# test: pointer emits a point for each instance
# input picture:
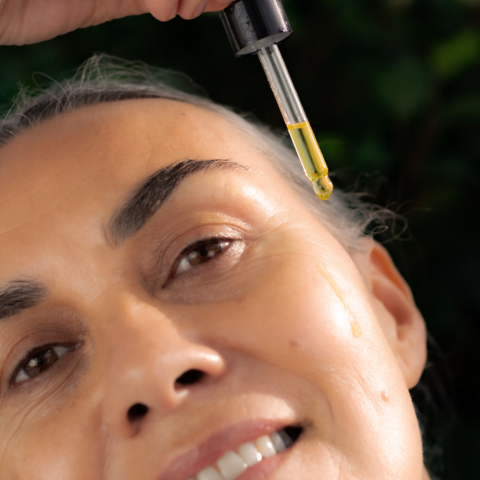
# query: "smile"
(232, 464)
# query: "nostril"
(190, 377)
(137, 412)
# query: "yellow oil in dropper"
(296, 120)
(311, 157)
(256, 26)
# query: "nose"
(150, 369)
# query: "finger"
(189, 9)
(216, 5)
(163, 10)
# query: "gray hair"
(107, 79)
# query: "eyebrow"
(18, 295)
(132, 216)
(152, 193)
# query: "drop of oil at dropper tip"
(323, 187)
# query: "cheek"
(294, 321)
(60, 443)
(37, 452)
(292, 318)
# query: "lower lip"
(263, 469)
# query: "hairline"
(343, 214)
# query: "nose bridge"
(145, 348)
(144, 358)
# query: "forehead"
(127, 135)
(101, 151)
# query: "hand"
(31, 21)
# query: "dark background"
(392, 89)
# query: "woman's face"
(213, 303)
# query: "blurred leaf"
(451, 57)
(333, 148)
(371, 154)
(454, 168)
(470, 3)
(399, 3)
(465, 107)
(403, 88)
(448, 182)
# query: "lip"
(207, 452)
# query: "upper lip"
(207, 452)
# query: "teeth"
(209, 473)
(265, 446)
(278, 442)
(232, 464)
(250, 454)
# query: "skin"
(31, 21)
(263, 320)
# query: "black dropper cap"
(255, 24)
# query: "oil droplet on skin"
(356, 328)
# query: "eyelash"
(224, 243)
(35, 352)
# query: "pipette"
(256, 26)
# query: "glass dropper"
(256, 26)
(297, 123)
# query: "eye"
(201, 252)
(37, 362)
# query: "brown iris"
(40, 362)
(205, 252)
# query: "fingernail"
(200, 8)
